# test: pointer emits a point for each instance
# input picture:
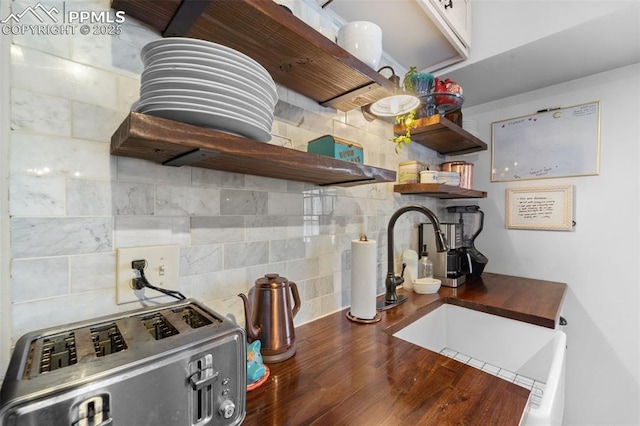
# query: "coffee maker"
(452, 266)
(471, 220)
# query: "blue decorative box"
(335, 147)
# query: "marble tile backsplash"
(73, 205)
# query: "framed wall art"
(546, 208)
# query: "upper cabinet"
(296, 56)
(452, 16)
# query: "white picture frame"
(544, 208)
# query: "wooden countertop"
(346, 373)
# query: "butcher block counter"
(347, 373)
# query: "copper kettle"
(270, 316)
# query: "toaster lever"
(203, 378)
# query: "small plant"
(409, 121)
(406, 81)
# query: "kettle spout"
(252, 331)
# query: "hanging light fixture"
(400, 102)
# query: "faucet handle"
(404, 266)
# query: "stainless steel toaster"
(173, 364)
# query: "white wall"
(598, 260)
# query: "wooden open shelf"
(438, 190)
(296, 55)
(174, 143)
(442, 135)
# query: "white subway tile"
(93, 272)
(37, 113)
(35, 279)
(37, 195)
(136, 170)
(45, 73)
(55, 311)
(93, 122)
(36, 237)
(135, 231)
(58, 156)
(187, 201)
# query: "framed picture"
(552, 143)
(547, 208)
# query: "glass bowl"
(440, 103)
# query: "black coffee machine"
(472, 221)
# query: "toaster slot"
(192, 317)
(158, 326)
(107, 340)
(58, 351)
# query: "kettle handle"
(296, 298)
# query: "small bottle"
(425, 266)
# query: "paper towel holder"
(377, 317)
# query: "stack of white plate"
(207, 84)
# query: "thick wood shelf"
(438, 190)
(175, 144)
(296, 56)
(442, 135)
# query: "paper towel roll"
(363, 279)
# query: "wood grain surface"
(346, 373)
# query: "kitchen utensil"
(178, 363)
(269, 316)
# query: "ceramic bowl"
(426, 285)
(363, 40)
(367, 50)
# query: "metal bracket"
(190, 157)
(187, 14)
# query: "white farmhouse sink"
(525, 354)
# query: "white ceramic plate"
(243, 110)
(170, 104)
(259, 99)
(213, 65)
(169, 53)
(197, 45)
(205, 73)
(213, 120)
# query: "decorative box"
(335, 147)
(409, 171)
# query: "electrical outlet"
(161, 271)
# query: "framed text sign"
(549, 144)
(546, 208)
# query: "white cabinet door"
(453, 17)
(457, 13)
